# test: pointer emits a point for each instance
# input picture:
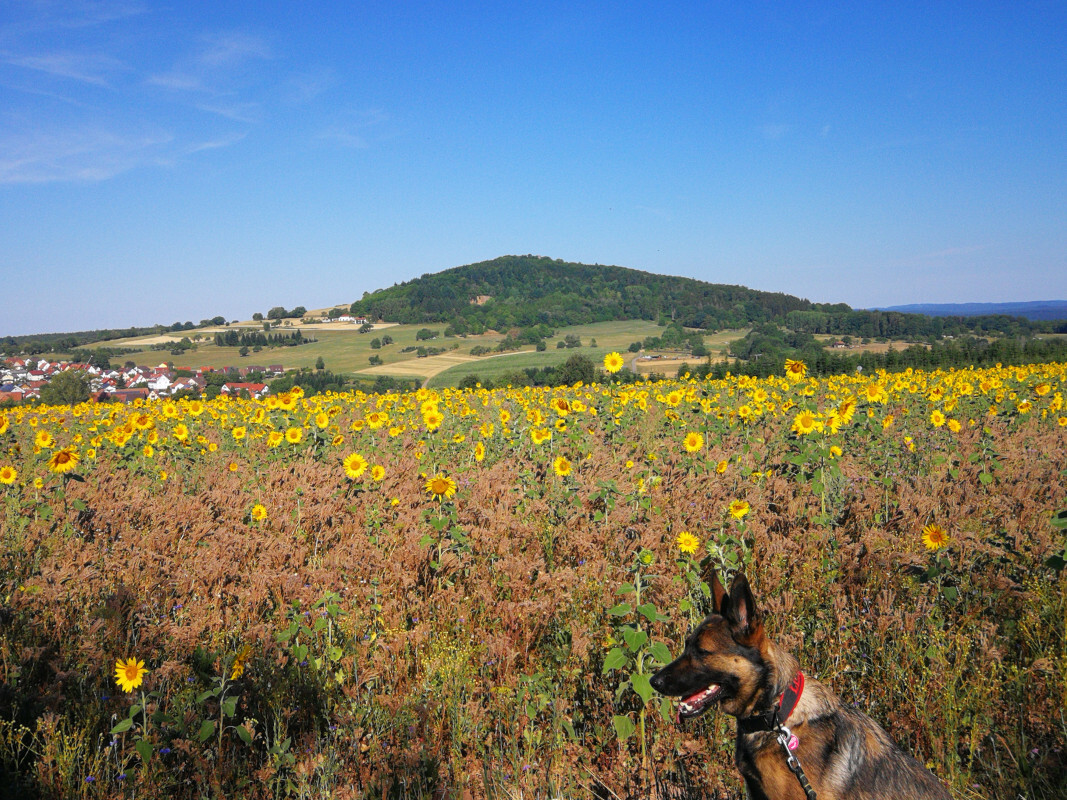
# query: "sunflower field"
(463, 593)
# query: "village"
(21, 380)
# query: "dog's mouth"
(696, 704)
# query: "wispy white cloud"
(248, 112)
(306, 86)
(77, 155)
(91, 68)
(215, 144)
(353, 129)
(212, 68)
(222, 49)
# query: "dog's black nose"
(657, 681)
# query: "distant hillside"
(522, 291)
(1038, 310)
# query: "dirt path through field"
(426, 368)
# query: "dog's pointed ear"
(743, 616)
(718, 593)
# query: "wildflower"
(441, 487)
(259, 512)
(232, 466)
(355, 465)
(129, 674)
(795, 370)
(739, 508)
(693, 441)
(687, 542)
(934, 537)
(8, 474)
(613, 362)
(63, 461)
(562, 466)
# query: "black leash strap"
(784, 735)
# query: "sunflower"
(274, 438)
(180, 432)
(8, 474)
(259, 512)
(43, 439)
(937, 419)
(721, 466)
(687, 542)
(693, 441)
(239, 432)
(739, 508)
(433, 419)
(540, 435)
(804, 423)
(237, 669)
(479, 451)
(355, 465)
(613, 362)
(3, 423)
(129, 674)
(562, 466)
(934, 537)
(795, 370)
(64, 460)
(441, 487)
(294, 435)
(377, 472)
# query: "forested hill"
(521, 291)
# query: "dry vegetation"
(448, 615)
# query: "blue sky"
(171, 162)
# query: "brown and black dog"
(728, 662)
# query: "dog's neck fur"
(781, 668)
